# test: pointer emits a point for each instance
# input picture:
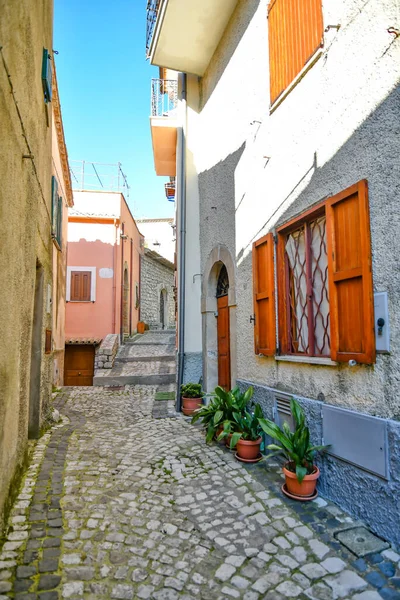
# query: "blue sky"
(104, 86)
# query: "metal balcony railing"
(152, 13)
(164, 97)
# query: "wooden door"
(79, 365)
(224, 358)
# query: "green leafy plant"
(191, 390)
(294, 446)
(218, 414)
(245, 425)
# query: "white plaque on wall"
(106, 273)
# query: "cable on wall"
(30, 154)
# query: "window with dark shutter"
(81, 286)
(295, 32)
(56, 213)
(264, 296)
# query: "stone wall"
(157, 275)
(105, 353)
(25, 231)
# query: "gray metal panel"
(356, 438)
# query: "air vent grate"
(282, 411)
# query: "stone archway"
(218, 257)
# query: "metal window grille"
(307, 289)
(164, 97)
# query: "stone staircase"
(147, 359)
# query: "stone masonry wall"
(105, 353)
(155, 277)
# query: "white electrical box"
(382, 331)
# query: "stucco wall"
(25, 229)
(337, 126)
(98, 242)
(159, 236)
(338, 477)
(59, 265)
(154, 278)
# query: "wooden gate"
(79, 365)
(223, 338)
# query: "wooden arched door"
(223, 338)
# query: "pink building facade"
(103, 267)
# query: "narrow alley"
(118, 503)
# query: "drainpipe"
(140, 286)
(182, 243)
(130, 291)
(121, 316)
(114, 288)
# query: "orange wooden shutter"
(264, 296)
(350, 275)
(81, 286)
(295, 32)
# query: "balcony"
(163, 123)
(183, 34)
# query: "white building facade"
(288, 175)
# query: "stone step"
(135, 379)
(138, 358)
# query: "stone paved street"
(117, 504)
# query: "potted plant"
(246, 434)
(217, 416)
(192, 396)
(301, 473)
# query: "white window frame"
(92, 283)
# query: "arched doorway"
(218, 307)
(223, 334)
(125, 315)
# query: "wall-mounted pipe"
(131, 290)
(182, 242)
(121, 316)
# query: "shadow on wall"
(371, 153)
(217, 205)
(246, 9)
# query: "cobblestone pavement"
(119, 505)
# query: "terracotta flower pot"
(190, 405)
(217, 433)
(303, 489)
(140, 327)
(249, 449)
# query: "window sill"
(311, 360)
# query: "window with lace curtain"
(306, 275)
(322, 307)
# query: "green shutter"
(59, 221)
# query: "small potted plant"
(247, 437)
(217, 416)
(192, 396)
(300, 472)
